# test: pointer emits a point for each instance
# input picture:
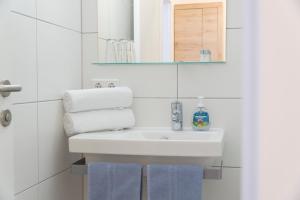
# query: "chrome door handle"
(6, 88)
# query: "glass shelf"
(158, 63)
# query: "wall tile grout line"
(45, 21)
(228, 28)
(215, 98)
(24, 103)
(175, 97)
(225, 167)
(89, 32)
(82, 78)
(39, 182)
(81, 24)
(36, 102)
(56, 174)
(27, 189)
(231, 167)
(208, 98)
(50, 100)
(191, 98)
(24, 15)
(37, 93)
(63, 27)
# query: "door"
(199, 26)
(6, 129)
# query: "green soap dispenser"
(201, 121)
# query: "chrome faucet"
(176, 116)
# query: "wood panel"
(188, 34)
(210, 31)
(197, 5)
(196, 27)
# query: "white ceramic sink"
(150, 142)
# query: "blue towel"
(107, 181)
(174, 182)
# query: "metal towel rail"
(214, 173)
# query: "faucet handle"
(175, 117)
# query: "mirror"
(143, 31)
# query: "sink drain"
(164, 138)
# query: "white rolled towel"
(96, 99)
(84, 122)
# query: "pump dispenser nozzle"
(200, 102)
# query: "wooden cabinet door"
(188, 34)
(196, 27)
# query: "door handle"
(6, 88)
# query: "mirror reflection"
(132, 31)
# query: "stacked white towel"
(101, 109)
(97, 99)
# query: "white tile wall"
(234, 13)
(30, 194)
(152, 112)
(26, 146)
(24, 35)
(155, 86)
(226, 189)
(89, 14)
(48, 61)
(66, 13)
(62, 187)
(54, 156)
(59, 60)
(144, 80)
(89, 54)
(215, 80)
(25, 7)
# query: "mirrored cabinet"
(161, 31)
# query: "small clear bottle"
(201, 120)
(205, 55)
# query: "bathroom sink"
(150, 142)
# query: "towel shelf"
(79, 168)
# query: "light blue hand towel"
(107, 181)
(174, 182)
